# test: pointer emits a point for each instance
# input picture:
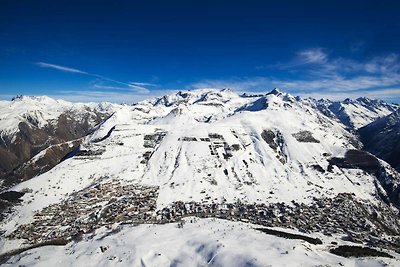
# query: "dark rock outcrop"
(11, 196)
(357, 251)
(54, 140)
(276, 142)
(305, 137)
(388, 179)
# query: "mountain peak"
(275, 91)
(39, 99)
(17, 97)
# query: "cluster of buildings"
(101, 205)
(356, 221)
(108, 203)
(150, 141)
(215, 141)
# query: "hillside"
(37, 132)
(273, 160)
(382, 138)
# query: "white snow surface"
(188, 171)
(201, 242)
(186, 166)
(40, 111)
(359, 112)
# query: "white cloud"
(313, 55)
(331, 84)
(315, 89)
(236, 83)
(101, 96)
(387, 94)
(139, 87)
(142, 84)
(386, 64)
(339, 83)
(321, 75)
(306, 57)
(133, 89)
(59, 67)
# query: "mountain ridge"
(272, 159)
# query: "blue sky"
(125, 51)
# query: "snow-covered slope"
(41, 111)
(199, 242)
(209, 152)
(201, 150)
(356, 113)
(31, 125)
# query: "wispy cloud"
(319, 74)
(108, 96)
(59, 67)
(142, 84)
(236, 83)
(391, 94)
(339, 83)
(139, 87)
(313, 55)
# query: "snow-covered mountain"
(382, 138)
(272, 160)
(42, 111)
(36, 132)
(355, 113)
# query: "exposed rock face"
(50, 157)
(382, 138)
(359, 160)
(357, 251)
(389, 180)
(19, 152)
(305, 136)
(276, 142)
(11, 196)
(7, 200)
